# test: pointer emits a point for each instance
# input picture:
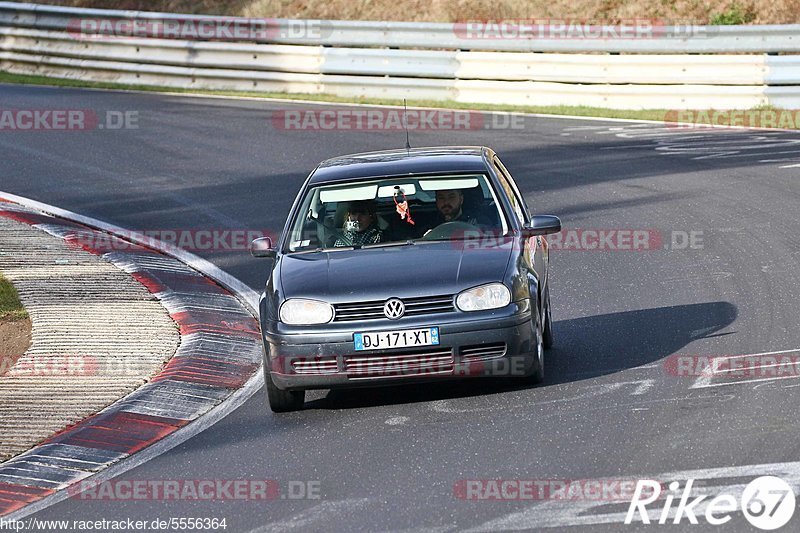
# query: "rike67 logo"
(767, 502)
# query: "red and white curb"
(214, 370)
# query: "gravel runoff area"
(97, 335)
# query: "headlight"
(491, 296)
(301, 312)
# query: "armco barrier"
(423, 61)
(676, 39)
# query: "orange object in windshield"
(402, 208)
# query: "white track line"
(248, 296)
(704, 381)
(743, 381)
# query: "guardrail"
(420, 61)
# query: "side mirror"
(263, 248)
(542, 225)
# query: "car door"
(536, 252)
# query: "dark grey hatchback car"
(403, 266)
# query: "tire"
(282, 401)
(538, 375)
(547, 333)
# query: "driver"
(360, 225)
(449, 203)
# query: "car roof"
(446, 159)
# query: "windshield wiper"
(443, 239)
(315, 250)
(409, 242)
(388, 244)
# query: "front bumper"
(502, 346)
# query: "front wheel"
(282, 401)
(547, 333)
(538, 375)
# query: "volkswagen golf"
(401, 266)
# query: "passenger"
(360, 225)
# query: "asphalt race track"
(611, 406)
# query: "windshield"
(395, 210)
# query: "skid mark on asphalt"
(606, 127)
(580, 409)
(788, 159)
(644, 386)
(750, 154)
(321, 516)
(423, 529)
(715, 276)
(705, 144)
(708, 481)
(634, 388)
(711, 150)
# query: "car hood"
(402, 271)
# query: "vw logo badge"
(394, 309)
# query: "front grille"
(374, 310)
(479, 352)
(428, 362)
(325, 365)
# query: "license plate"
(408, 338)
